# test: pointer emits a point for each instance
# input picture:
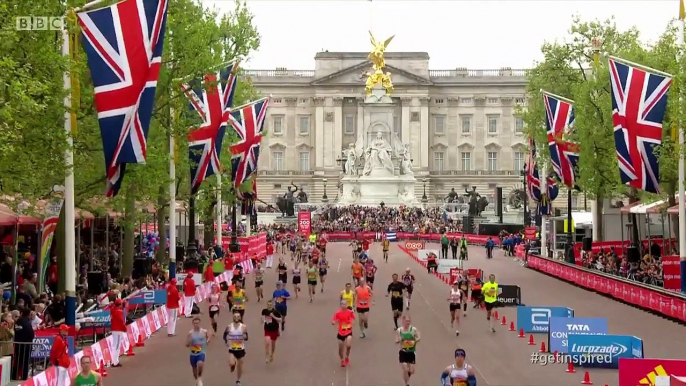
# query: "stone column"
(424, 132)
(328, 132)
(319, 131)
(405, 120)
(360, 129)
(337, 138)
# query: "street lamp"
(424, 197)
(526, 197)
(234, 247)
(324, 197)
(341, 160)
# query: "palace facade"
(461, 124)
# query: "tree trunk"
(60, 238)
(161, 215)
(598, 220)
(129, 237)
(208, 228)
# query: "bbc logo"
(40, 23)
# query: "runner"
(386, 247)
(316, 254)
(284, 244)
(370, 271)
(490, 293)
(259, 281)
(213, 299)
(397, 290)
(197, 342)
(363, 294)
(465, 283)
(345, 318)
(229, 296)
(357, 271)
(270, 255)
(86, 377)
(459, 373)
(348, 295)
(298, 249)
(307, 252)
(408, 280)
(281, 297)
(271, 319)
(311, 272)
(239, 297)
(235, 336)
(354, 244)
(365, 245)
(296, 278)
(292, 245)
(455, 301)
(407, 336)
(323, 270)
(282, 270)
(321, 243)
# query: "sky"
(455, 33)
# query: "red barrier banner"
(635, 372)
(305, 223)
(249, 245)
(472, 239)
(619, 246)
(455, 273)
(671, 270)
(668, 304)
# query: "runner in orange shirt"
(363, 295)
(345, 318)
(357, 271)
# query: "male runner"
(363, 294)
(407, 336)
(397, 292)
(370, 271)
(259, 281)
(197, 341)
(213, 299)
(311, 273)
(323, 270)
(464, 283)
(299, 249)
(357, 271)
(282, 271)
(345, 318)
(365, 245)
(235, 336)
(296, 278)
(316, 254)
(86, 377)
(281, 297)
(321, 243)
(459, 373)
(408, 280)
(270, 319)
(490, 293)
(292, 245)
(386, 247)
(348, 295)
(239, 297)
(455, 303)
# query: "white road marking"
(347, 377)
(339, 266)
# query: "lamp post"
(234, 247)
(324, 197)
(526, 196)
(191, 248)
(424, 197)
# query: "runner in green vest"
(407, 337)
(87, 377)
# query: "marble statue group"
(378, 155)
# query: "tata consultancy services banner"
(536, 319)
(305, 223)
(635, 371)
(42, 345)
(560, 327)
(603, 350)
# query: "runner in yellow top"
(313, 238)
(386, 246)
(239, 299)
(490, 293)
(348, 295)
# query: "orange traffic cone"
(496, 316)
(570, 368)
(587, 379)
(504, 322)
(543, 349)
(102, 369)
(512, 326)
(140, 342)
(555, 356)
(521, 333)
(531, 340)
(130, 352)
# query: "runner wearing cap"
(455, 302)
(118, 327)
(197, 341)
(173, 299)
(459, 373)
(59, 355)
(86, 377)
(407, 336)
(345, 318)
(281, 296)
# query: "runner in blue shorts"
(197, 341)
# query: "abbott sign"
(414, 245)
(561, 327)
(537, 319)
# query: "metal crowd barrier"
(26, 359)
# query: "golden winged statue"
(376, 56)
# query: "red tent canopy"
(8, 217)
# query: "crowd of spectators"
(647, 270)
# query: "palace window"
(438, 160)
(277, 160)
(304, 125)
(349, 124)
(518, 160)
(519, 125)
(466, 161)
(466, 122)
(277, 124)
(304, 161)
(492, 124)
(439, 124)
(492, 161)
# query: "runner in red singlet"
(345, 318)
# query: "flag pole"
(69, 220)
(219, 208)
(172, 203)
(682, 194)
(571, 102)
(642, 67)
(544, 217)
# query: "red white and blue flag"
(123, 44)
(533, 179)
(564, 155)
(247, 122)
(639, 101)
(211, 99)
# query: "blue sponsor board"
(560, 327)
(41, 347)
(149, 297)
(100, 318)
(536, 319)
(603, 350)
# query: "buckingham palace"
(461, 124)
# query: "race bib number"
(279, 300)
(408, 282)
(312, 276)
(236, 345)
(196, 349)
(408, 344)
(397, 294)
(363, 302)
(459, 382)
(214, 308)
(346, 327)
(464, 287)
(268, 319)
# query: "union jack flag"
(545, 205)
(559, 121)
(211, 102)
(639, 100)
(247, 121)
(123, 44)
(533, 178)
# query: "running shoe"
(347, 361)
